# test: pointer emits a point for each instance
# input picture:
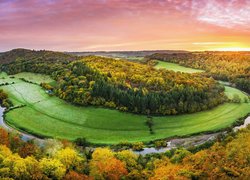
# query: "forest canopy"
(119, 84)
(44, 62)
(135, 87)
(228, 158)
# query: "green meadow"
(49, 116)
(175, 67)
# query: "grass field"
(34, 78)
(38, 78)
(176, 67)
(50, 116)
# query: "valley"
(125, 90)
(48, 116)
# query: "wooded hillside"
(225, 66)
(136, 87)
(119, 84)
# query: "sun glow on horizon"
(116, 25)
(232, 49)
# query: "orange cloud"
(123, 25)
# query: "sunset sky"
(91, 25)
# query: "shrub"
(137, 146)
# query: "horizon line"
(145, 50)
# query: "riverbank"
(171, 144)
(24, 136)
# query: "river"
(24, 136)
(190, 141)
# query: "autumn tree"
(72, 175)
(129, 158)
(52, 168)
(105, 166)
(4, 137)
(70, 159)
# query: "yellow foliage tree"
(69, 158)
(52, 168)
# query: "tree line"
(226, 66)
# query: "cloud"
(224, 13)
(211, 43)
(120, 24)
(140, 43)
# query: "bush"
(160, 143)
(179, 155)
(110, 104)
(81, 142)
(137, 146)
(122, 145)
(236, 98)
(46, 86)
(123, 109)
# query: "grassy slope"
(51, 116)
(38, 78)
(176, 67)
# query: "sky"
(93, 25)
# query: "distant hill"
(32, 55)
(46, 62)
(124, 54)
(27, 54)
